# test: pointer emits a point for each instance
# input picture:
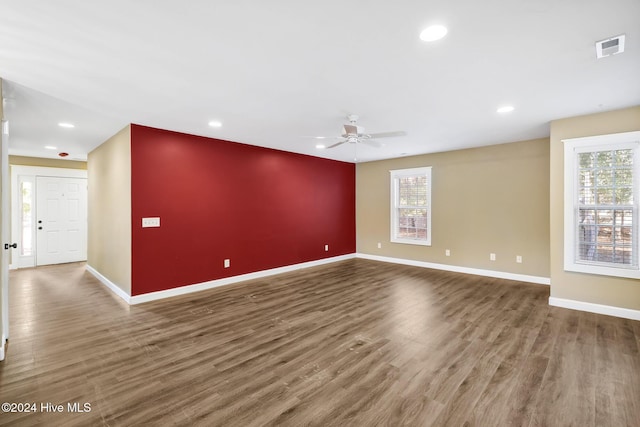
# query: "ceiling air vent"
(610, 46)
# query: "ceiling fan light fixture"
(354, 134)
(433, 33)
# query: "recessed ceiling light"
(66, 125)
(215, 124)
(50, 147)
(505, 109)
(320, 146)
(433, 33)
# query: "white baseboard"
(557, 302)
(457, 269)
(109, 284)
(152, 296)
(2, 342)
(609, 310)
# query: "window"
(602, 205)
(26, 217)
(411, 206)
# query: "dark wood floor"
(355, 343)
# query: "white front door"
(61, 220)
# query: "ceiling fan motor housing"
(352, 130)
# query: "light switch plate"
(151, 222)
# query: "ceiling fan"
(355, 134)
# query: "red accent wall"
(258, 207)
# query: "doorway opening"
(49, 215)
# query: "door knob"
(7, 246)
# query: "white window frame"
(573, 147)
(395, 175)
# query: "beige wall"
(488, 199)
(109, 240)
(605, 290)
(48, 163)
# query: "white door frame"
(4, 233)
(30, 173)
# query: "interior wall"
(2, 240)
(485, 200)
(48, 163)
(109, 209)
(606, 290)
(260, 208)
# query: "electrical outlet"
(379, 245)
(492, 257)
(519, 259)
(447, 252)
(227, 263)
(151, 222)
(326, 248)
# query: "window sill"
(629, 273)
(412, 242)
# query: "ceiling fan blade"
(323, 137)
(387, 134)
(371, 142)
(336, 144)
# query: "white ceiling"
(276, 73)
